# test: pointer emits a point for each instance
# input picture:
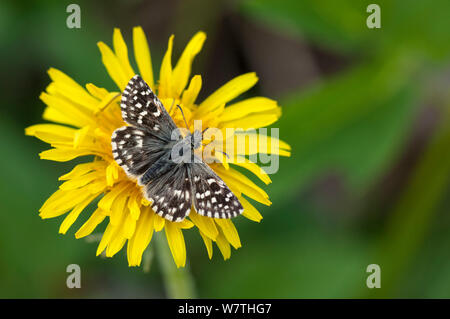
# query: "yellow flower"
(87, 117)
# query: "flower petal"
(62, 201)
(176, 242)
(64, 154)
(82, 169)
(141, 237)
(165, 89)
(239, 181)
(158, 222)
(113, 66)
(204, 224)
(182, 70)
(108, 199)
(143, 56)
(247, 106)
(51, 133)
(229, 232)
(107, 235)
(252, 167)
(254, 121)
(227, 92)
(73, 215)
(224, 245)
(250, 212)
(191, 93)
(208, 244)
(79, 115)
(88, 227)
(120, 48)
(98, 92)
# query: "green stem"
(178, 282)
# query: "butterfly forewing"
(135, 150)
(142, 108)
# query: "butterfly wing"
(135, 150)
(142, 108)
(170, 194)
(211, 196)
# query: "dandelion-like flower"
(85, 120)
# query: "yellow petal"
(108, 199)
(82, 169)
(247, 106)
(158, 223)
(185, 224)
(120, 48)
(73, 215)
(62, 201)
(96, 91)
(71, 91)
(229, 231)
(190, 95)
(237, 180)
(143, 56)
(134, 206)
(113, 66)
(115, 244)
(141, 238)
(224, 246)
(250, 143)
(205, 224)
(252, 167)
(79, 115)
(107, 235)
(250, 212)
(60, 77)
(118, 210)
(64, 154)
(88, 227)
(177, 246)
(51, 133)
(227, 92)
(254, 121)
(110, 174)
(129, 226)
(80, 136)
(108, 100)
(165, 74)
(208, 244)
(182, 70)
(81, 181)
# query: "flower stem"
(178, 282)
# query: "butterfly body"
(165, 163)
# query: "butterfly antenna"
(224, 154)
(187, 126)
(218, 150)
(173, 102)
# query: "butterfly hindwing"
(170, 194)
(211, 196)
(142, 108)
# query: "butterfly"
(145, 150)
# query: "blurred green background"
(366, 112)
